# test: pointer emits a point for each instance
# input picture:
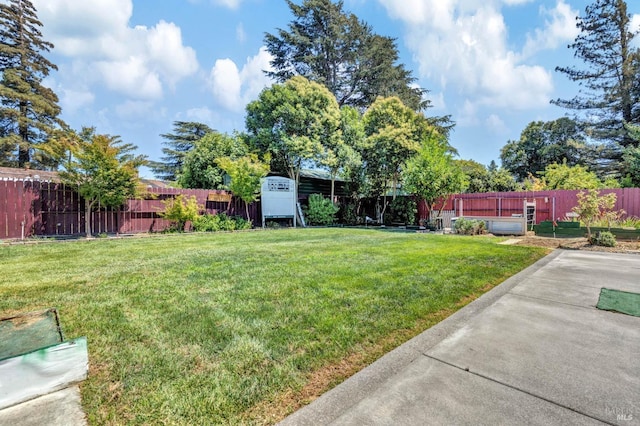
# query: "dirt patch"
(622, 246)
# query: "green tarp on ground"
(27, 332)
(619, 301)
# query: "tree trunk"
(88, 205)
(246, 205)
(333, 183)
(24, 156)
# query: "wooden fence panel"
(550, 205)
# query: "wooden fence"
(548, 205)
(41, 208)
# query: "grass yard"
(244, 327)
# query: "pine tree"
(177, 145)
(609, 96)
(28, 111)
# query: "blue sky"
(133, 67)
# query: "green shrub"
(348, 214)
(179, 211)
(470, 226)
(603, 238)
(320, 211)
(242, 224)
(219, 222)
(402, 210)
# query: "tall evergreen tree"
(327, 45)
(177, 145)
(609, 95)
(28, 111)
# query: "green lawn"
(243, 327)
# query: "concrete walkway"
(533, 350)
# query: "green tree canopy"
(342, 155)
(245, 174)
(543, 143)
(486, 179)
(104, 171)
(609, 92)
(564, 176)
(501, 180)
(433, 174)
(631, 160)
(200, 168)
(176, 146)
(28, 111)
(293, 122)
(394, 132)
(477, 175)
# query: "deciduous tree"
(103, 170)
(394, 132)
(543, 143)
(631, 160)
(433, 174)
(200, 168)
(292, 122)
(563, 176)
(29, 110)
(245, 174)
(591, 206)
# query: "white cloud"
(241, 35)
(201, 115)
(131, 77)
(132, 110)
(166, 52)
(73, 100)
(496, 125)
(468, 115)
(231, 4)
(560, 28)
(135, 61)
(462, 44)
(226, 84)
(234, 88)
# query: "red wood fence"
(33, 208)
(549, 205)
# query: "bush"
(470, 226)
(348, 214)
(320, 211)
(603, 238)
(402, 210)
(179, 211)
(219, 222)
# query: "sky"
(134, 67)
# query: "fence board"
(550, 205)
(49, 208)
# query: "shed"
(278, 199)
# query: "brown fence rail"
(41, 208)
